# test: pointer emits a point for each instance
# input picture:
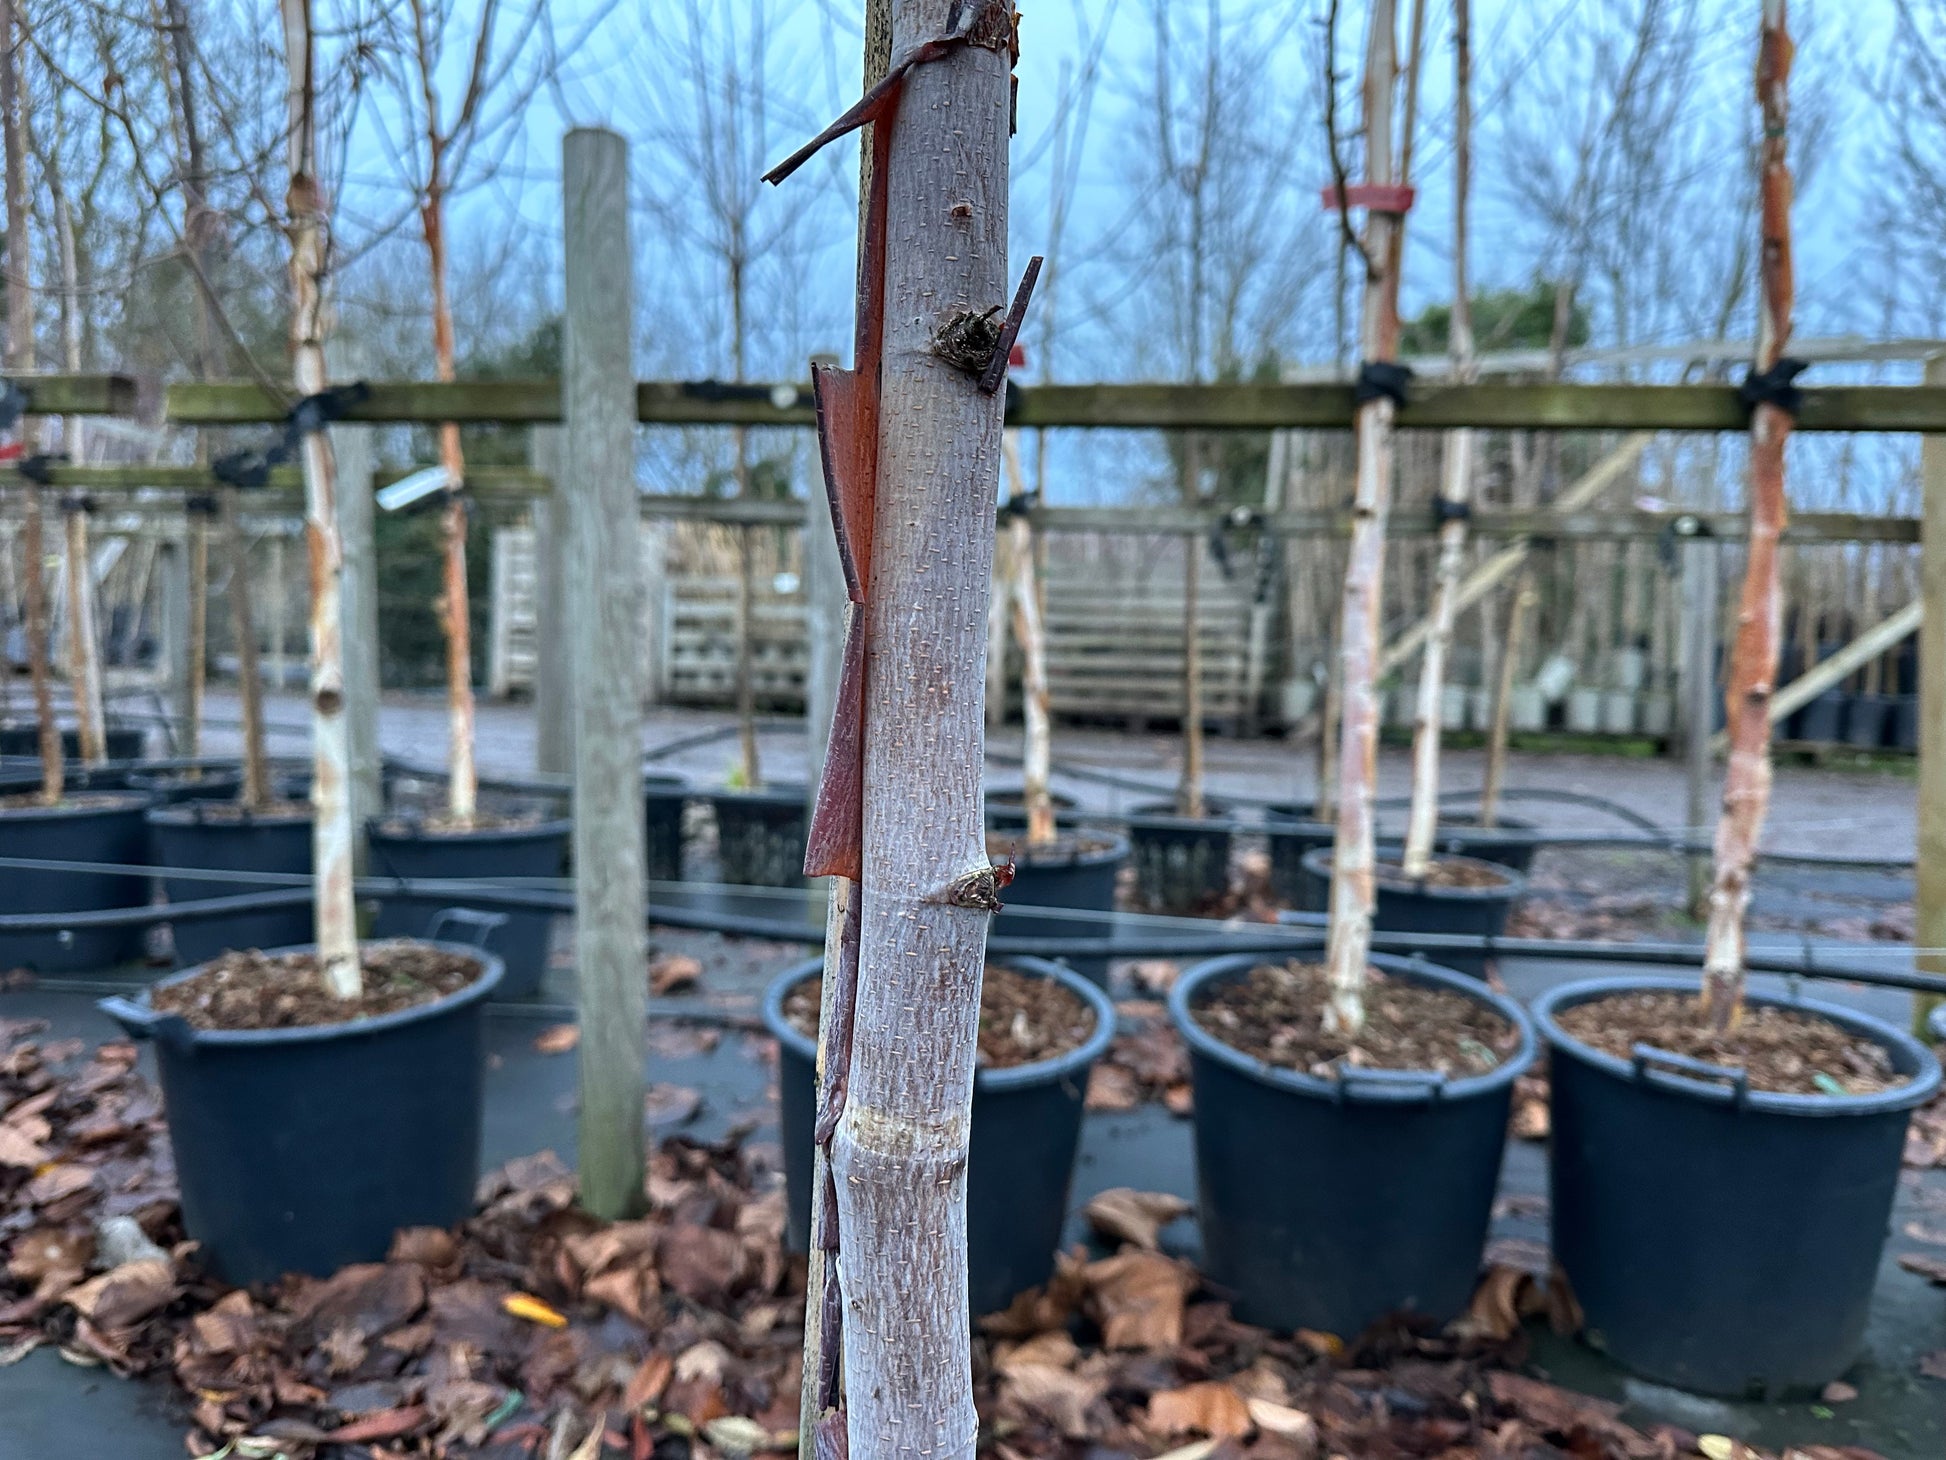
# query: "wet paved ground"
(52, 1408)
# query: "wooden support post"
(351, 447)
(172, 635)
(1929, 924)
(604, 629)
(553, 668)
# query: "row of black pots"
(187, 838)
(1718, 1239)
(1866, 721)
(122, 742)
(1325, 1203)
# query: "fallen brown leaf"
(1126, 1215)
(1282, 1420)
(20, 1151)
(557, 1039)
(1208, 1408)
(1503, 1299)
(1056, 1394)
(1110, 1087)
(1138, 1298)
(386, 1425)
(124, 1295)
(672, 1104)
(674, 973)
(1931, 1268)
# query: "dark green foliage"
(1503, 319)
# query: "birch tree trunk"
(1753, 656)
(1189, 792)
(84, 658)
(1520, 607)
(899, 1154)
(1457, 492)
(337, 929)
(1348, 941)
(20, 360)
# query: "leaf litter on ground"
(533, 1330)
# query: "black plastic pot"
(1510, 841)
(189, 838)
(107, 831)
(1821, 722)
(1865, 719)
(1904, 731)
(1026, 1129)
(1404, 906)
(304, 1150)
(1007, 810)
(1332, 1203)
(663, 799)
(1718, 1238)
(1076, 876)
(123, 742)
(174, 785)
(1293, 831)
(760, 835)
(418, 855)
(1182, 865)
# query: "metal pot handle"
(1655, 1066)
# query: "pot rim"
(1914, 1092)
(195, 813)
(1511, 888)
(1280, 816)
(1013, 796)
(653, 783)
(1936, 1023)
(376, 831)
(1216, 819)
(1116, 851)
(1375, 1087)
(127, 799)
(771, 793)
(1513, 828)
(1041, 1072)
(139, 1018)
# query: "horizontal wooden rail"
(516, 483)
(78, 395)
(1242, 407)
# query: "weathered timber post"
(172, 615)
(84, 645)
(1929, 924)
(553, 688)
(603, 603)
(1752, 673)
(351, 445)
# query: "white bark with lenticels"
(899, 1154)
(1349, 939)
(337, 927)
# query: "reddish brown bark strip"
(1753, 656)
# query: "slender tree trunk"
(1456, 497)
(899, 1154)
(1024, 601)
(84, 642)
(1753, 655)
(337, 929)
(198, 228)
(20, 360)
(198, 646)
(1352, 891)
(1520, 609)
(747, 762)
(1189, 792)
(255, 793)
(463, 787)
